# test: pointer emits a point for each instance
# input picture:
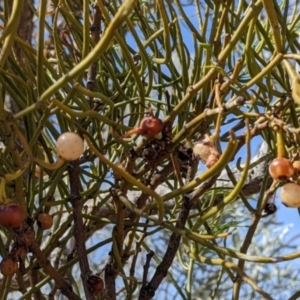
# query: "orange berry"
(44, 221)
(281, 169)
(8, 267)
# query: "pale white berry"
(290, 195)
(69, 146)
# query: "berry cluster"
(281, 169)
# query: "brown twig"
(138, 248)
(110, 276)
(148, 291)
(79, 232)
(146, 267)
(21, 280)
(65, 288)
(24, 241)
(95, 36)
(157, 179)
(34, 280)
(249, 236)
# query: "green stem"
(230, 265)
(86, 28)
(272, 16)
(280, 143)
(265, 71)
(295, 80)
(167, 46)
(40, 50)
(101, 96)
(99, 49)
(83, 114)
(60, 162)
(10, 31)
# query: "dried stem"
(79, 230)
(146, 267)
(95, 36)
(64, 287)
(148, 291)
(111, 268)
(110, 276)
(24, 242)
(250, 234)
(34, 279)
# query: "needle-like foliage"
(172, 100)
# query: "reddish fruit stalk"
(133, 131)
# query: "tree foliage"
(177, 207)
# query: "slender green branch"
(40, 50)
(167, 46)
(124, 10)
(10, 30)
(230, 265)
(101, 96)
(272, 16)
(295, 80)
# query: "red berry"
(12, 215)
(8, 267)
(290, 195)
(281, 169)
(149, 127)
(44, 221)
